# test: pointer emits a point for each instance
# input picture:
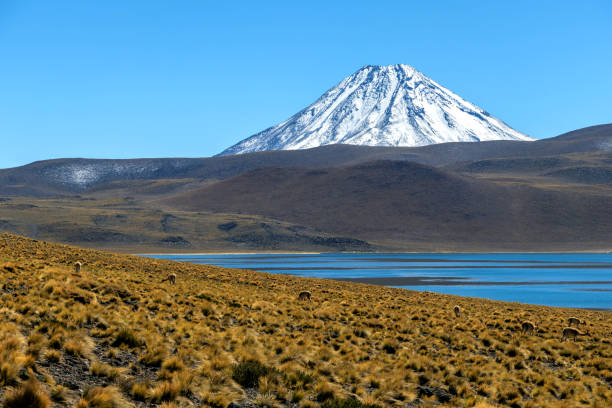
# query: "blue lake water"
(565, 280)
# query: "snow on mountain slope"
(392, 105)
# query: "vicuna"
(572, 332)
(576, 321)
(528, 327)
(305, 295)
(457, 311)
(171, 278)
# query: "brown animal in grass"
(170, 278)
(573, 332)
(457, 311)
(576, 321)
(305, 295)
(528, 327)
(77, 267)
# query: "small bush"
(248, 372)
(300, 377)
(390, 347)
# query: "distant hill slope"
(393, 105)
(409, 203)
(551, 194)
(71, 176)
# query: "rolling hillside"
(114, 335)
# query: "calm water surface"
(566, 280)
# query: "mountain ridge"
(71, 176)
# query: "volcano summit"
(393, 105)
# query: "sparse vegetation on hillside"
(114, 336)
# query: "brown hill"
(413, 205)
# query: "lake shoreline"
(580, 280)
(602, 251)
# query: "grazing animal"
(457, 311)
(77, 267)
(572, 332)
(305, 295)
(576, 321)
(528, 327)
(171, 278)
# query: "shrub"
(248, 372)
(300, 377)
(390, 347)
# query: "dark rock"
(227, 226)
(175, 241)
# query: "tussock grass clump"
(102, 397)
(58, 393)
(139, 391)
(12, 358)
(164, 391)
(154, 357)
(347, 403)
(80, 346)
(100, 369)
(126, 336)
(30, 394)
(53, 356)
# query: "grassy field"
(137, 226)
(114, 335)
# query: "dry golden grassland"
(114, 336)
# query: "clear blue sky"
(119, 79)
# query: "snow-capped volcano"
(393, 105)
